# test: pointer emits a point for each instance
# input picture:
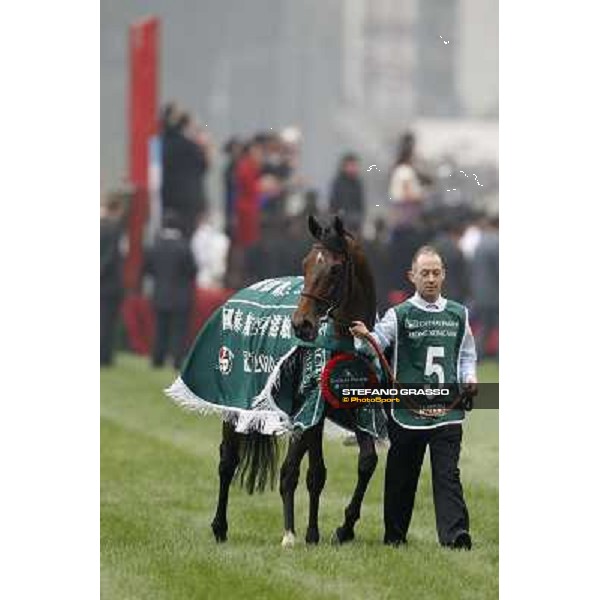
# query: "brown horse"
(338, 285)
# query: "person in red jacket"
(248, 189)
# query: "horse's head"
(326, 275)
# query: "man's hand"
(470, 387)
(359, 329)
(469, 391)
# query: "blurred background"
(224, 124)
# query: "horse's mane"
(363, 276)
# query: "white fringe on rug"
(267, 422)
(264, 417)
(265, 400)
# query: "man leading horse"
(433, 344)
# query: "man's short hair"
(426, 250)
(349, 157)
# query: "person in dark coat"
(170, 133)
(378, 254)
(111, 283)
(404, 241)
(233, 149)
(184, 166)
(171, 265)
(261, 259)
(347, 197)
(293, 246)
(276, 173)
(485, 270)
(456, 284)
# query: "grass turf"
(159, 485)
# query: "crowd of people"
(265, 202)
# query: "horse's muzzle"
(305, 330)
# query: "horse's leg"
(315, 480)
(290, 472)
(367, 461)
(229, 453)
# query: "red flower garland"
(326, 390)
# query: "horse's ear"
(315, 229)
(338, 225)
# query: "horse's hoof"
(219, 531)
(312, 536)
(289, 539)
(342, 535)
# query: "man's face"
(428, 276)
(351, 168)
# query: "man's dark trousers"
(170, 336)
(404, 460)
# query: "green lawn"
(158, 491)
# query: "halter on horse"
(332, 269)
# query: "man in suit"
(171, 265)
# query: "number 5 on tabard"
(431, 367)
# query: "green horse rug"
(247, 365)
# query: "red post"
(143, 123)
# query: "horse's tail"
(259, 459)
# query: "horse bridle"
(342, 282)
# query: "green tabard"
(427, 351)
